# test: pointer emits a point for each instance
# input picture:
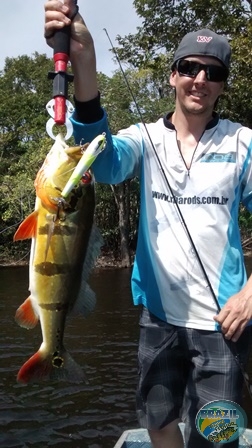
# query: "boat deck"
(138, 438)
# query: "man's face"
(196, 95)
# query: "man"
(194, 169)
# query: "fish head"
(55, 172)
(81, 197)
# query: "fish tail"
(43, 366)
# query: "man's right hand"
(82, 52)
(58, 15)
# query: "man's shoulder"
(232, 127)
(157, 125)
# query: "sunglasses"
(214, 73)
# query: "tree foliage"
(25, 91)
(23, 143)
(143, 90)
(165, 22)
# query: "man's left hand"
(237, 312)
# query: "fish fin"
(36, 368)
(86, 300)
(43, 366)
(27, 228)
(71, 371)
(26, 316)
(93, 250)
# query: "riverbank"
(107, 260)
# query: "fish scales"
(65, 244)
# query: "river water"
(64, 415)
(60, 414)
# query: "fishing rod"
(231, 344)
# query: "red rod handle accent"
(60, 60)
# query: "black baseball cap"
(204, 43)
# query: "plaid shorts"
(181, 369)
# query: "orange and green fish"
(65, 244)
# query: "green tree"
(164, 23)
(25, 91)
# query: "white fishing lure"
(93, 150)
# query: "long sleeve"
(121, 159)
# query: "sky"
(22, 28)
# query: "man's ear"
(172, 78)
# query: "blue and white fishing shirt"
(167, 277)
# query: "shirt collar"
(211, 124)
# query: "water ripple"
(58, 414)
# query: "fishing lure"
(93, 150)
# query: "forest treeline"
(147, 54)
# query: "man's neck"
(190, 124)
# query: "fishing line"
(9, 227)
(175, 202)
(231, 344)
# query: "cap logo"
(204, 39)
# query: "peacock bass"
(65, 244)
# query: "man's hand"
(237, 312)
(82, 52)
(58, 15)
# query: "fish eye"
(86, 178)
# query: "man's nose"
(201, 76)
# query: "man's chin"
(196, 110)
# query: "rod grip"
(62, 40)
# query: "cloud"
(22, 24)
